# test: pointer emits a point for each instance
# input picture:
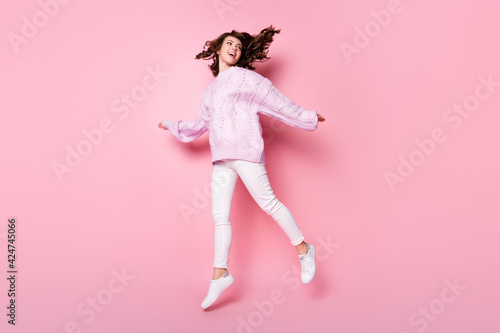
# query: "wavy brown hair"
(254, 48)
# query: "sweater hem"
(250, 155)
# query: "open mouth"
(232, 54)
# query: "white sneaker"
(216, 288)
(308, 263)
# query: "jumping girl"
(229, 111)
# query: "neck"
(223, 67)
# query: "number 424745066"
(11, 246)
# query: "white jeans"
(254, 176)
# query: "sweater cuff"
(168, 124)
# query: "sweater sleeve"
(187, 131)
(278, 106)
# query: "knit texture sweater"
(230, 109)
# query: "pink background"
(392, 252)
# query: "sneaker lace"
(306, 265)
(210, 291)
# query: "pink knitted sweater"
(230, 109)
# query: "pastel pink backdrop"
(392, 252)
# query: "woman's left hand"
(321, 118)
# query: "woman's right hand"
(321, 118)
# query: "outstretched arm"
(278, 106)
(186, 131)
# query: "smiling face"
(230, 51)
